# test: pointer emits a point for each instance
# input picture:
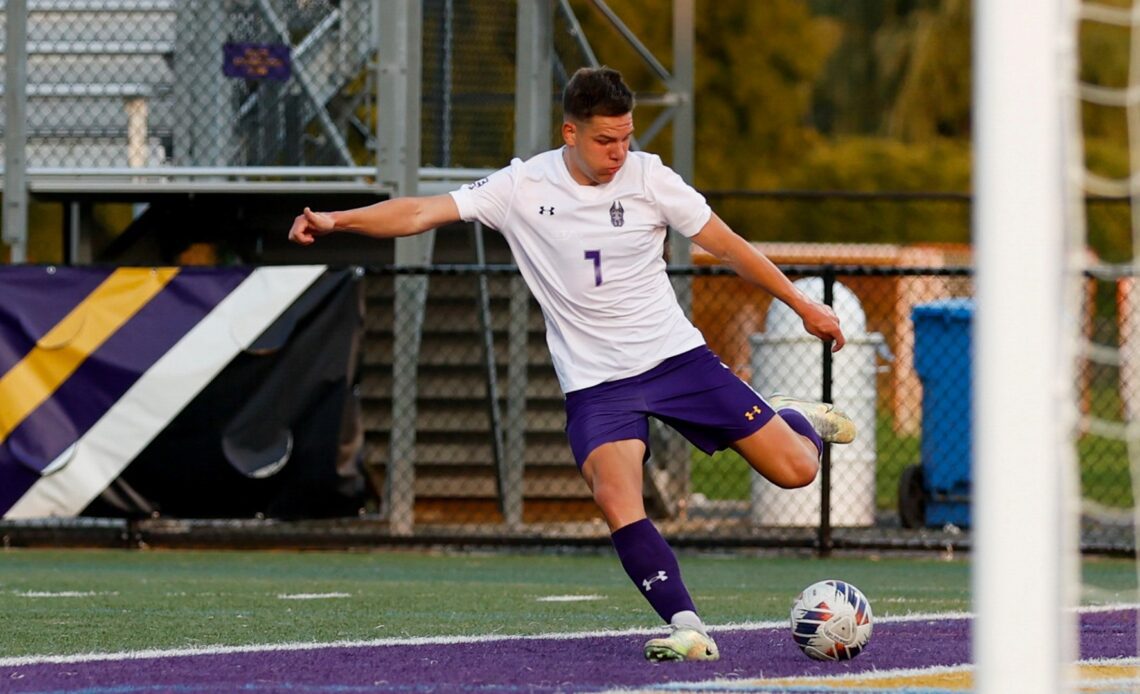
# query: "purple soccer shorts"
(693, 392)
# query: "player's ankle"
(688, 619)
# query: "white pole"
(1019, 644)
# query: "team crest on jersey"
(617, 214)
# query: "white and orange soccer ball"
(831, 620)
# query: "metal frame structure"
(15, 111)
(397, 31)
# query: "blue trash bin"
(943, 359)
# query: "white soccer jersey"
(592, 256)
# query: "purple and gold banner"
(98, 365)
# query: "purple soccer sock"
(653, 567)
(802, 426)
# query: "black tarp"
(276, 434)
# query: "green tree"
(933, 64)
(755, 65)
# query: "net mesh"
(1104, 239)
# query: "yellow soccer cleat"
(831, 424)
(683, 644)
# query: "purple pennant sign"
(257, 61)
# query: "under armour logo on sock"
(648, 583)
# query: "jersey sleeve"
(488, 200)
(681, 205)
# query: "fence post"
(15, 232)
(517, 359)
(825, 459)
(398, 73)
(510, 495)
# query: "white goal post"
(1025, 545)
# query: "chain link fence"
(151, 84)
(210, 83)
(502, 467)
(147, 84)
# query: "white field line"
(62, 594)
(446, 640)
(312, 596)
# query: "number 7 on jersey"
(596, 256)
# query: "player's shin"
(652, 566)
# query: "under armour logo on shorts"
(751, 414)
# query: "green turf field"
(73, 601)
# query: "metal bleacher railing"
(139, 83)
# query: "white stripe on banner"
(165, 389)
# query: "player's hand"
(309, 226)
(821, 321)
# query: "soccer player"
(586, 224)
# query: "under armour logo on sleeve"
(648, 583)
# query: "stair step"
(481, 484)
(554, 451)
(460, 384)
(451, 350)
(457, 420)
(457, 317)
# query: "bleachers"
(138, 83)
(99, 77)
(455, 463)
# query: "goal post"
(1024, 416)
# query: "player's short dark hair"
(596, 91)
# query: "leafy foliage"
(829, 95)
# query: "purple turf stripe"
(1108, 634)
(108, 373)
(535, 665)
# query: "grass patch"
(722, 475)
(75, 601)
(86, 600)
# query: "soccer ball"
(831, 620)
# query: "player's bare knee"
(611, 500)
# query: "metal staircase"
(139, 83)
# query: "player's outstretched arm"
(387, 219)
(717, 238)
